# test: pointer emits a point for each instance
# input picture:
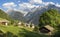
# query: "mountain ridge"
(34, 15)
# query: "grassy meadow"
(15, 31)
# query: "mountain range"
(31, 16)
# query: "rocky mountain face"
(33, 15)
(15, 15)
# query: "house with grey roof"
(4, 22)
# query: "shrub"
(36, 29)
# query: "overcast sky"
(26, 4)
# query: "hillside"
(16, 15)
(33, 15)
(4, 15)
(50, 17)
(14, 31)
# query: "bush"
(57, 34)
(36, 29)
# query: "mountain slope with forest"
(4, 15)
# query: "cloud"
(9, 5)
(47, 3)
(36, 1)
(58, 5)
(31, 4)
(26, 6)
(40, 2)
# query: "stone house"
(4, 22)
(26, 24)
(19, 23)
(29, 25)
(32, 26)
(47, 30)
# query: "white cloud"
(47, 3)
(31, 4)
(43, 3)
(9, 5)
(36, 1)
(58, 5)
(26, 6)
(40, 2)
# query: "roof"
(49, 27)
(4, 20)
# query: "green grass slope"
(12, 31)
(4, 15)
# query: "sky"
(26, 4)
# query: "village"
(46, 30)
(6, 23)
